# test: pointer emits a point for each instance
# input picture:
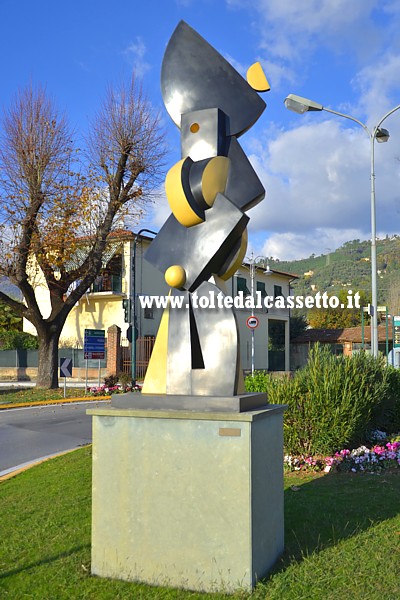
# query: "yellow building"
(126, 273)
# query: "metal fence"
(21, 358)
(18, 358)
(144, 348)
(126, 355)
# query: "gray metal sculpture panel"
(212, 105)
(243, 187)
(195, 76)
(195, 363)
(213, 138)
(179, 360)
(201, 250)
(219, 338)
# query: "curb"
(50, 402)
(34, 463)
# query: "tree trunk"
(48, 359)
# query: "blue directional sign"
(94, 343)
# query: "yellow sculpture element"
(175, 276)
(156, 375)
(256, 78)
(177, 201)
(238, 258)
(214, 178)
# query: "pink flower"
(393, 447)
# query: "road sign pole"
(65, 371)
(252, 352)
(393, 342)
(387, 335)
(252, 323)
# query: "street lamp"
(301, 105)
(133, 302)
(252, 268)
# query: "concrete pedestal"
(187, 499)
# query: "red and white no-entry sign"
(252, 322)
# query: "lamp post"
(301, 105)
(252, 269)
(133, 303)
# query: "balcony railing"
(110, 283)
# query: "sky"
(343, 54)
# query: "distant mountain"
(348, 267)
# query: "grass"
(16, 396)
(342, 539)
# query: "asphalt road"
(28, 434)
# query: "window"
(261, 288)
(110, 278)
(277, 291)
(242, 286)
(148, 312)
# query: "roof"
(122, 234)
(339, 336)
(115, 241)
(291, 275)
(274, 271)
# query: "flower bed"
(105, 390)
(364, 459)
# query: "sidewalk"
(31, 384)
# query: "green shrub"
(333, 401)
(9, 340)
(387, 416)
(111, 380)
(257, 383)
(125, 380)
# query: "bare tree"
(58, 204)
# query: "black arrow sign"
(65, 367)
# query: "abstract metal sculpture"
(204, 240)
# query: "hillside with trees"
(349, 267)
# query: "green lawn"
(342, 538)
(9, 396)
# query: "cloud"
(287, 26)
(316, 170)
(378, 86)
(317, 173)
(291, 246)
(156, 211)
(135, 53)
(291, 32)
(161, 211)
(317, 178)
